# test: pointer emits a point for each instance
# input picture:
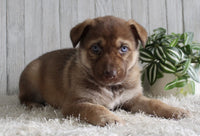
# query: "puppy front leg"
(92, 113)
(155, 107)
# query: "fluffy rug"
(17, 120)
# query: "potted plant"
(173, 54)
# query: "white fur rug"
(16, 120)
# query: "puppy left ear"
(79, 31)
(138, 31)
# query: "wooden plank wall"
(29, 28)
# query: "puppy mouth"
(101, 79)
(108, 83)
(105, 81)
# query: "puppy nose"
(110, 74)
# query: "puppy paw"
(108, 120)
(178, 113)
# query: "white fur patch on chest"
(113, 99)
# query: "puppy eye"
(123, 49)
(96, 49)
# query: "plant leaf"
(159, 52)
(159, 74)
(176, 83)
(170, 85)
(151, 73)
(193, 74)
(159, 30)
(174, 51)
(192, 86)
(167, 67)
(179, 70)
(182, 54)
(195, 46)
(182, 37)
(181, 82)
(150, 47)
(188, 37)
(189, 88)
(173, 58)
(186, 65)
(159, 33)
(187, 49)
(146, 55)
(174, 42)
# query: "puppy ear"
(139, 32)
(77, 32)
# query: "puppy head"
(108, 47)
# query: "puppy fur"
(89, 84)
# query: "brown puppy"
(100, 75)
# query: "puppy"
(100, 75)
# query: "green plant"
(172, 53)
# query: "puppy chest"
(114, 103)
(111, 99)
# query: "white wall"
(29, 28)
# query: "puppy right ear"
(78, 32)
(139, 31)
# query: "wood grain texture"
(33, 30)
(103, 7)
(51, 26)
(174, 16)
(86, 9)
(122, 9)
(139, 10)
(68, 18)
(191, 12)
(3, 77)
(29, 28)
(157, 14)
(15, 43)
